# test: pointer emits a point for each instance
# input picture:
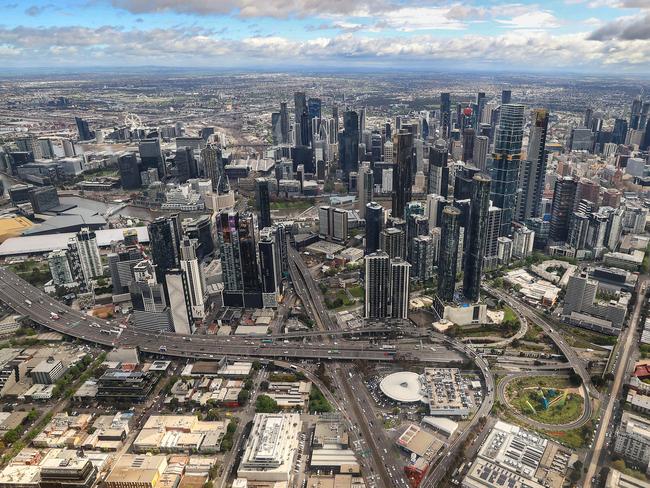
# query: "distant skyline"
(610, 37)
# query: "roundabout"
(545, 401)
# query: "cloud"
(536, 20)
(196, 46)
(632, 28)
(253, 8)
(36, 10)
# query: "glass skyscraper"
(506, 160)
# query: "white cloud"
(536, 20)
(514, 49)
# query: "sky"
(608, 37)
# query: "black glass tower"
(402, 171)
(263, 202)
(374, 226)
(447, 263)
(477, 236)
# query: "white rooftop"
(402, 387)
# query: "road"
(38, 306)
(533, 316)
(587, 411)
(629, 339)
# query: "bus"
(388, 348)
(267, 341)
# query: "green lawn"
(525, 395)
(509, 315)
(357, 291)
(292, 205)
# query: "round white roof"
(402, 387)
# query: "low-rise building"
(632, 440)
(136, 471)
(271, 447)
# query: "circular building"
(404, 387)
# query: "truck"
(54, 316)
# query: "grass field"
(525, 396)
(292, 205)
(357, 291)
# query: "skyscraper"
(164, 237)
(620, 131)
(393, 242)
(506, 160)
(151, 156)
(120, 264)
(445, 115)
(263, 202)
(150, 311)
(270, 267)
(374, 226)
(635, 116)
(349, 143)
(476, 246)
(194, 278)
(399, 288)
(447, 263)
(506, 97)
(533, 170)
(562, 208)
(481, 146)
(185, 163)
(284, 123)
(469, 135)
(59, 267)
(91, 262)
(212, 159)
(438, 170)
(129, 171)
(377, 271)
(85, 134)
(402, 172)
(365, 184)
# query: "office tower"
(433, 209)
(468, 144)
(59, 267)
(238, 252)
(151, 156)
(365, 185)
(620, 131)
(335, 123)
(643, 119)
(129, 171)
(164, 239)
(178, 292)
(263, 202)
(393, 242)
(645, 142)
(338, 224)
(506, 97)
(374, 226)
(438, 169)
(589, 117)
(284, 123)
(523, 240)
(324, 221)
(270, 267)
(581, 139)
(402, 172)
(481, 146)
(445, 115)
(74, 260)
(377, 273)
(150, 311)
(635, 117)
(120, 264)
(476, 246)
(422, 257)
(200, 229)
(532, 171)
(611, 197)
(314, 108)
(562, 208)
(464, 182)
(194, 277)
(349, 143)
(588, 190)
(504, 250)
(43, 198)
(447, 263)
(69, 150)
(91, 262)
(212, 159)
(46, 147)
(276, 129)
(185, 163)
(399, 288)
(493, 231)
(505, 162)
(302, 120)
(85, 134)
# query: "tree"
(266, 404)
(264, 385)
(243, 396)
